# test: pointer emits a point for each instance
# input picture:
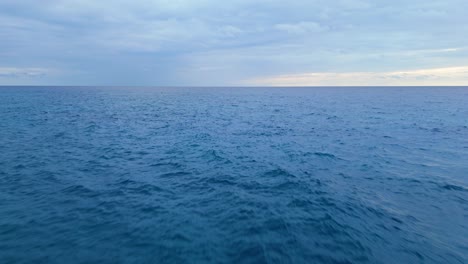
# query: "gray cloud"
(23, 72)
(303, 27)
(182, 42)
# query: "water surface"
(233, 175)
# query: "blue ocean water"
(233, 175)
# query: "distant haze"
(207, 42)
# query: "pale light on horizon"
(448, 76)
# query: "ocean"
(234, 175)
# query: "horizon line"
(236, 86)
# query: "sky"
(233, 43)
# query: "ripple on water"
(120, 175)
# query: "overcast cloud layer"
(245, 42)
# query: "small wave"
(227, 181)
(60, 135)
(19, 167)
(214, 156)
(453, 187)
(175, 174)
(138, 187)
(300, 203)
(278, 173)
(325, 155)
(80, 190)
(288, 185)
(167, 164)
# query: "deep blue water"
(233, 175)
